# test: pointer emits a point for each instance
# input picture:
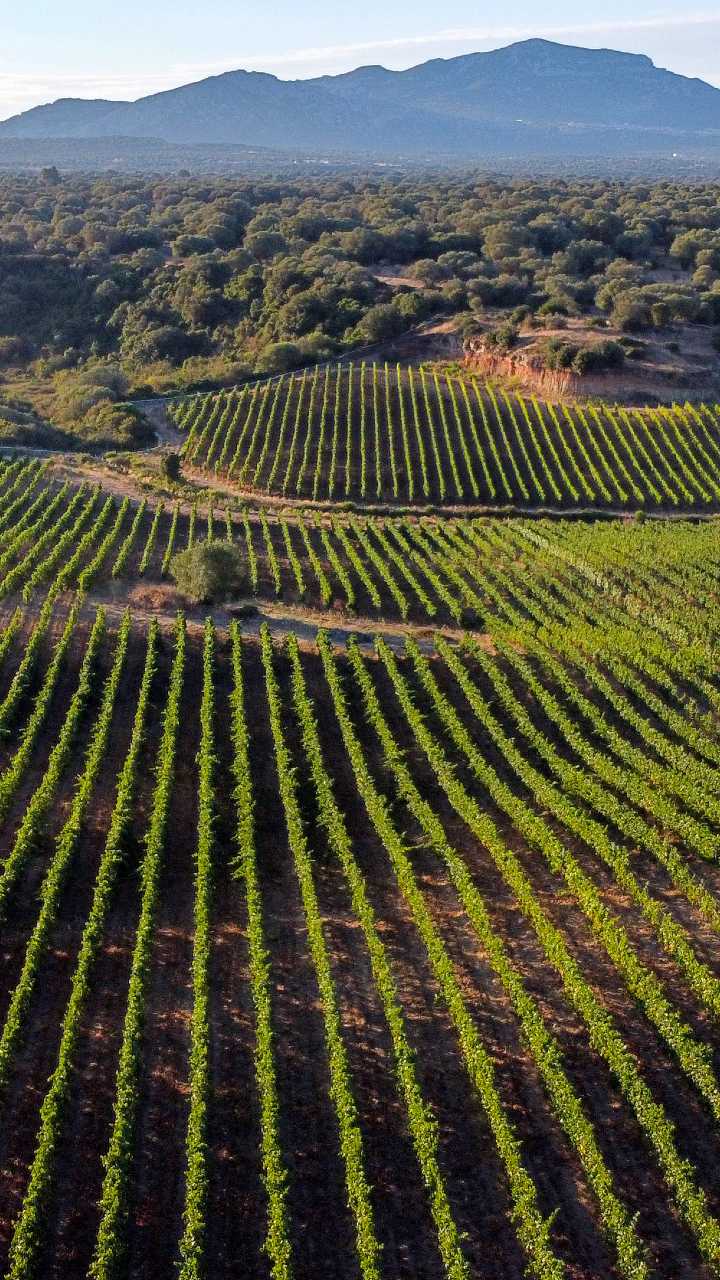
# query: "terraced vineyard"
(372, 935)
(369, 434)
(409, 569)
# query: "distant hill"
(530, 98)
(66, 118)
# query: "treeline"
(113, 284)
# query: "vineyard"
(57, 537)
(373, 934)
(371, 434)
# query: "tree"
(167, 342)
(660, 315)
(301, 314)
(279, 357)
(114, 426)
(428, 270)
(504, 338)
(631, 312)
(412, 306)
(599, 358)
(560, 354)
(504, 239)
(687, 245)
(381, 322)
(209, 572)
(549, 233)
(170, 467)
(264, 245)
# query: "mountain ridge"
(471, 104)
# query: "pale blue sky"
(85, 48)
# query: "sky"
(89, 48)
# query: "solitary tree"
(209, 572)
(170, 466)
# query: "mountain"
(532, 97)
(65, 118)
(540, 82)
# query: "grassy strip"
(421, 1122)
(351, 1145)
(109, 1256)
(192, 1245)
(277, 1240)
(41, 799)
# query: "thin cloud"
(452, 35)
(14, 85)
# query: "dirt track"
(126, 485)
(282, 621)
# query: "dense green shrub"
(598, 357)
(209, 572)
(504, 338)
(34, 435)
(170, 467)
